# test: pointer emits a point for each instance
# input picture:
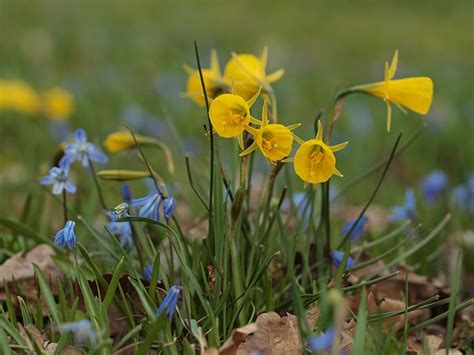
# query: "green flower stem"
(65, 206)
(97, 185)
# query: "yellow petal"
(263, 59)
(338, 147)
(275, 76)
(265, 113)
(215, 63)
(250, 149)
(240, 139)
(319, 133)
(393, 65)
(389, 115)
(254, 98)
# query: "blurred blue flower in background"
(123, 231)
(58, 176)
(83, 150)
(408, 211)
(323, 341)
(463, 195)
(148, 272)
(168, 306)
(82, 331)
(358, 230)
(337, 257)
(66, 237)
(60, 130)
(433, 185)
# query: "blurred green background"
(123, 62)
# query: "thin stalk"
(211, 145)
(372, 197)
(65, 206)
(97, 185)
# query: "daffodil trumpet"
(314, 161)
(275, 141)
(230, 115)
(247, 74)
(414, 93)
(213, 80)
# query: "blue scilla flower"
(169, 204)
(358, 230)
(82, 330)
(84, 151)
(126, 192)
(66, 236)
(148, 272)
(123, 231)
(150, 206)
(433, 185)
(408, 211)
(323, 341)
(58, 176)
(337, 257)
(170, 301)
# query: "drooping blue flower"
(148, 272)
(82, 330)
(169, 204)
(84, 151)
(408, 211)
(323, 341)
(337, 257)
(58, 176)
(433, 185)
(66, 236)
(123, 231)
(358, 230)
(150, 206)
(168, 306)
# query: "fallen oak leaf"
(274, 335)
(19, 275)
(237, 337)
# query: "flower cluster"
(55, 104)
(233, 94)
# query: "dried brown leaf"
(274, 335)
(237, 337)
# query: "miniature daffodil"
(123, 140)
(213, 81)
(247, 73)
(58, 104)
(275, 141)
(18, 96)
(230, 115)
(314, 161)
(414, 93)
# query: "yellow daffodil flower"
(213, 81)
(314, 161)
(247, 73)
(230, 115)
(58, 104)
(414, 93)
(275, 141)
(18, 96)
(123, 140)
